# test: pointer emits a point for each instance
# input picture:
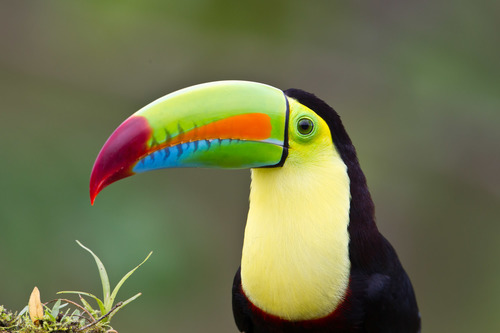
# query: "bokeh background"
(416, 83)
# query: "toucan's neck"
(364, 235)
(295, 260)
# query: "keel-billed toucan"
(313, 259)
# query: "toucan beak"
(225, 124)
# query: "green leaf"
(66, 313)
(106, 289)
(49, 314)
(125, 303)
(23, 311)
(76, 314)
(118, 286)
(87, 306)
(99, 302)
(56, 308)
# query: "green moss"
(68, 321)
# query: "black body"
(380, 297)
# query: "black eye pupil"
(305, 126)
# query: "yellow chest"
(295, 259)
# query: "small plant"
(37, 317)
(106, 306)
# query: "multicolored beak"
(225, 124)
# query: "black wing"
(385, 294)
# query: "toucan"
(313, 259)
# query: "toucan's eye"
(305, 126)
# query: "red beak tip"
(94, 191)
(120, 153)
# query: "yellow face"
(309, 138)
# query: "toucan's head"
(225, 124)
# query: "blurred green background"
(417, 86)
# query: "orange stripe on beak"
(250, 126)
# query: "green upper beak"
(225, 124)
